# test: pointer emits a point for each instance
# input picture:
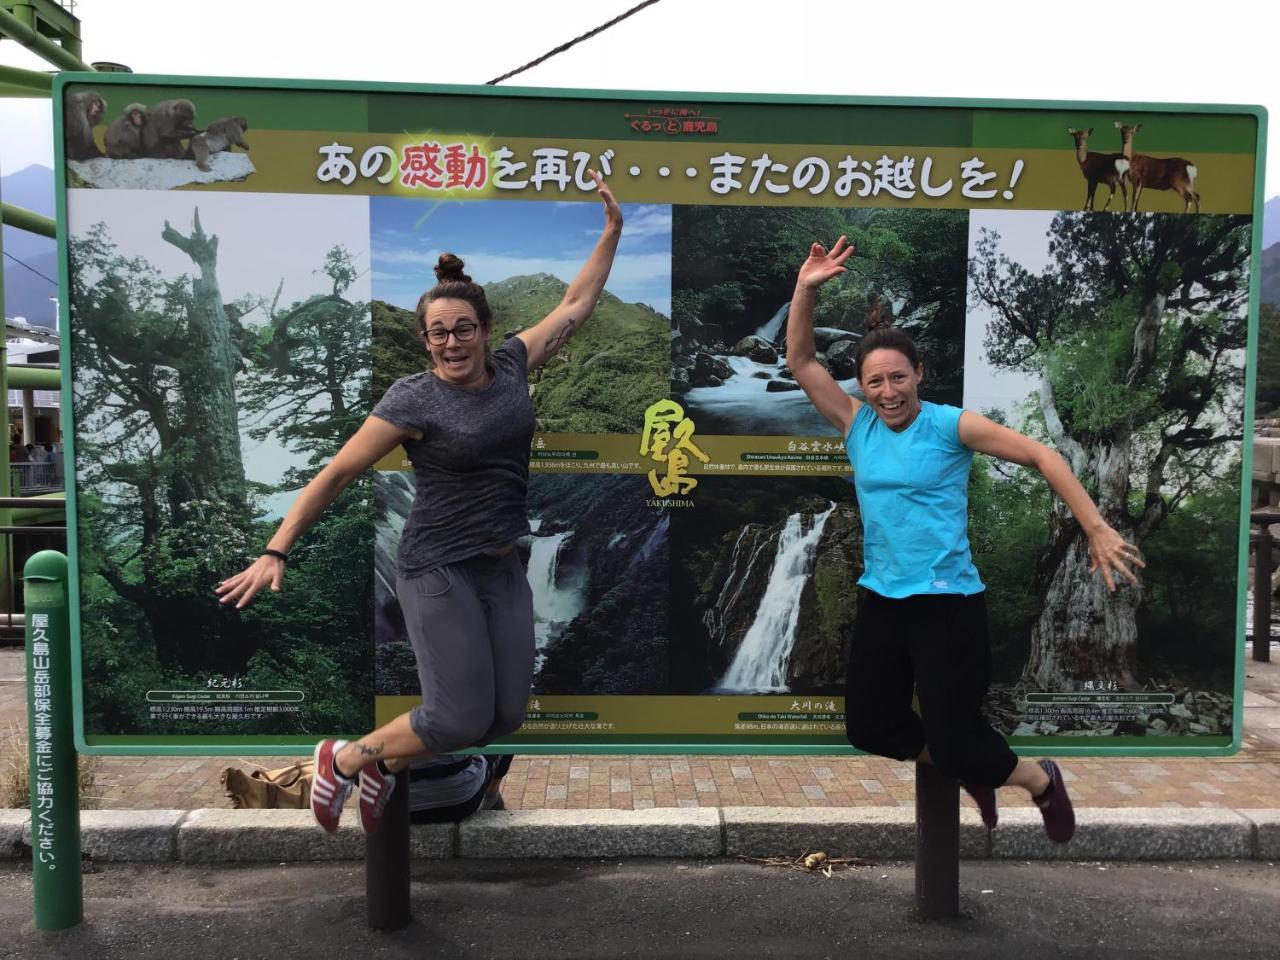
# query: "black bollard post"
(386, 864)
(937, 843)
(1262, 588)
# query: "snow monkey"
(171, 122)
(222, 134)
(81, 113)
(130, 135)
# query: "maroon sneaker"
(985, 798)
(328, 791)
(1055, 805)
(376, 788)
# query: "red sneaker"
(985, 798)
(376, 788)
(328, 792)
(1055, 805)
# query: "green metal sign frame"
(99, 743)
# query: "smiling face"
(458, 362)
(891, 386)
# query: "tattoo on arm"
(557, 340)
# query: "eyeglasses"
(462, 332)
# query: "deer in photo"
(1158, 173)
(1108, 168)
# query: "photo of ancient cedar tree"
(762, 585)
(211, 380)
(597, 565)
(525, 254)
(1121, 342)
(733, 274)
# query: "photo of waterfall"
(761, 661)
(597, 563)
(731, 288)
(756, 394)
(763, 594)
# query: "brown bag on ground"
(288, 788)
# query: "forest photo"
(525, 254)
(597, 564)
(732, 278)
(1120, 341)
(210, 384)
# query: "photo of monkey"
(81, 113)
(156, 147)
(220, 135)
(128, 135)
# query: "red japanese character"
(421, 166)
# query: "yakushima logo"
(668, 441)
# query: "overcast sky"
(1180, 52)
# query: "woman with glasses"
(466, 425)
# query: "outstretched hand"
(612, 212)
(1111, 553)
(822, 266)
(241, 588)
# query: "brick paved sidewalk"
(1250, 779)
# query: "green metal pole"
(26, 220)
(55, 801)
(11, 26)
(8, 595)
(25, 83)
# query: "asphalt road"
(663, 909)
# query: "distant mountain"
(26, 294)
(32, 189)
(1271, 222)
(1271, 275)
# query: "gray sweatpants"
(471, 625)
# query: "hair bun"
(450, 267)
(880, 315)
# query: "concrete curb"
(871, 833)
(541, 834)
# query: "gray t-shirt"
(471, 465)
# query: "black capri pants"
(937, 645)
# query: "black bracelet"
(278, 554)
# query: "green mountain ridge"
(601, 381)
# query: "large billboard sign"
(239, 278)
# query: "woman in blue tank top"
(922, 624)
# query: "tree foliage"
(1136, 331)
(160, 527)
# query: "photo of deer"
(1108, 168)
(1167, 173)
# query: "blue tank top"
(913, 493)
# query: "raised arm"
(802, 360)
(547, 336)
(1108, 551)
(374, 440)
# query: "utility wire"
(576, 40)
(29, 267)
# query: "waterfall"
(556, 599)
(760, 665)
(773, 326)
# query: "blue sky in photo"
(498, 239)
